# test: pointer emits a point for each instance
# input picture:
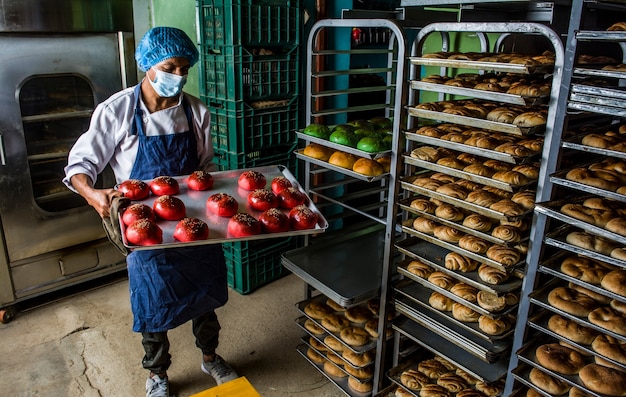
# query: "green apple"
(317, 130)
(371, 144)
(344, 138)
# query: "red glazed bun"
(222, 204)
(137, 211)
(134, 189)
(200, 180)
(279, 183)
(191, 229)
(274, 221)
(164, 185)
(243, 225)
(291, 197)
(302, 217)
(250, 180)
(169, 208)
(144, 232)
(262, 199)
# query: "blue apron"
(171, 286)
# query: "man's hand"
(99, 199)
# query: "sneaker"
(157, 387)
(219, 370)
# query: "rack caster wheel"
(7, 314)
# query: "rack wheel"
(7, 314)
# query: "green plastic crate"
(254, 263)
(234, 73)
(237, 127)
(272, 23)
(278, 155)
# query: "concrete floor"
(83, 346)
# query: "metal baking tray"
(594, 108)
(478, 368)
(340, 383)
(527, 354)
(479, 65)
(575, 143)
(559, 179)
(464, 252)
(475, 122)
(306, 341)
(557, 238)
(552, 266)
(300, 154)
(465, 175)
(224, 182)
(388, 391)
(590, 35)
(405, 204)
(480, 94)
(540, 298)
(300, 321)
(474, 306)
(540, 323)
(609, 92)
(604, 101)
(434, 256)
(616, 74)
(343, 148)
(417, 295)
(405, 183)
(522, 375)
(552, 209)
(487, 153)
(321, 298)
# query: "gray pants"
(157, 358)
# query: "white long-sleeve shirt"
(109, 141)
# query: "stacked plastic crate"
(250, 79)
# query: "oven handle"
(3, 159)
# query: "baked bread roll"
(371, 326)
(618, 306)
(591, 178)
(449, 212)
(483, 142)
(617, 225)
(514, 149)
(432, 368)
(452, 190)
(617, 26)
(491, 302)
(315, 356)
(575, 392)
(334, 371)
(507, 233)
(479, 169)
(440, 302)
(423, 205)
(503, 255)
(473, 244)
(609, 319)
(419, 269)
(317, 310)
(603, 380)
(430, 131)
(603, 299)
(413, 379)
(464, 291)
(451, 382)
(317, 345)
(431, 390)
(442, 280)
(615, 281)
(482, 198)
(560, 359)
(331, 356)
(548, 383)
(427, 183)
(571, 330)
(618, 253)
(610, 347)
(316, 151)
(490, 389)
(535, 145)
(334, 343)
(342, 159)
(530, 119)
(469, 393)
(358, 385)
(571, 301)
(358, 314)
(525, 198)
(508, 208)
(464, 313)
(425, 225)
(491, 275)
(335, 306)
(468, 185)
(451, 162)
(447, 233)
(469, 379)
(522, 224)
(456, 261)
(440, 176)
(493, 326)
(313, 328)
(358, 359)
(426, 153)
(513, 178)
(585, 269)
(354, 336)
(590, 242)
(368, 167)
(335, 322)
(430, 106)
(478, 222)
(501, 115)
(593, 216)
(502, 194)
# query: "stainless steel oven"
(58, 60)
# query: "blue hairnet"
(161, 43)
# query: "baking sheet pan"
(434, 256)
(611, 92)
(616, 74)
(475, 122)
(594, 108)
(300, 154)
(224, 182)
(343, 148)
(478, 368)
(522, 375)
(603, 101)
(479, 65)
(606, 35)
(417, 295)
(487, 153)
(465, 175)
(575, 143)
(480, 94)
(305, 340)
(560, 179)
(406, 184)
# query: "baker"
(143, 132)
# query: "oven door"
(49, 86)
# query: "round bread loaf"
(432, 368)
(312, 327)
(334, 371)
(618, 253)
(427, 183)
(334, 343)
(368, 167)
(617, 26)
(473, 244)
(335, 322)
(493, 326)
(316, 151)
(585, 269)
(513, 178)
(430, 131)
(524, 198)
(317, 310)
(603, 380)
(514, 149)
(615, 281)
(425, 225)
(491, 275)
(358, 359)
(468, 185)
(618, 306)
(529, 171)
(591, 178)
(315, 356)
(482, 198)
(342, 159)
(449, 212)
(335, 306)
(419, 269)
(503, 255)
(440, 301)
(501, 115)
(451, 162)
(374, 305)
(469, 379)
(441, 177)
(560, 359)
(452, 190)
(371, 326)
(358, 314)
(464, 313)
(445, 363)
(548, 383)
(609, 319)
(529, 119)
(447, 233)
(469, 393)
(452, 382)
(506, 233)
(502, 194)
(317, 345)
(596, 296)
(331, 356)
(478, 222)
(464, 291)
(359, 386)
(401, 392)
(413, 379)
(491, 302)
(426, 153)
(610, 347)
(479, 169)
(423, 205)
(490, 389)
(442, 280)
(508, 208)
(571, 330)
(354, 336)
(571, 301)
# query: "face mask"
(167, 84)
